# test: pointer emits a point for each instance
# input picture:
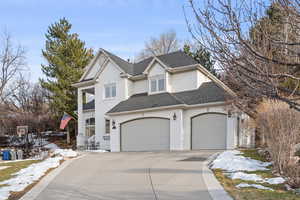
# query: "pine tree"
(66, 57)
(202, 56)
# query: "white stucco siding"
(184, 81)
(156, 69)
(176, 127)
(109, 75)
(140, 86)
(96, 67)
(201, 78)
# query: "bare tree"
(245, 45)
(12, 62)
(166, 43)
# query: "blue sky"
(120, 26)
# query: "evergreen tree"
(66, 57)
(202, 56)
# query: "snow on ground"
(233, 161)
(51, 146)
(68, 153)
(245, 185)
(97, 151)
(274, 181)
(245, 176)
(27, 176)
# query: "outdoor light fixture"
(174, 116)
(113, 124)
(229, 113)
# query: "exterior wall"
(156, 69)
(231, 125)
(140, 86)
(110, 74)
(201, 78)
(93, 71)
(176, 127)
(184, 81)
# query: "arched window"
(90, 127)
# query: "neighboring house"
(167, 102)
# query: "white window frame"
(106, 119)
(110, 86)
(156, 79)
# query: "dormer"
(157, 77)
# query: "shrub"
(280, 128)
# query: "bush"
(280, 128)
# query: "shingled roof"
(207, 93)
(172, 60)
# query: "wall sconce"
(113, 124)
(174, 116)
(229, 113)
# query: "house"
(166, 102)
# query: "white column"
(80, 137)
(231, 132)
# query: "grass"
(229, 185)
(13, 167)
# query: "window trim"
(109, 128)
(110, 86)
(156, 79)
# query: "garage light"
(113, 124)
(174, 116)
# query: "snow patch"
(67, 153)
(97, 151)
(27, 176)
(245, 176)
(274, 181)
(246, 185)
(51, 146)
(232, 161)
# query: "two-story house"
(167, 102)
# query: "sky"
(120, 26)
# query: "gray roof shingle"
(89, 105)
(173, 60)
(207, 93)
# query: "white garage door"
(209, 131)
(148, 134)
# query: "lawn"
(14, 167)
(279, 192)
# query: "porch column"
(81, 136)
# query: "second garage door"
(147, 134)
(209, 131)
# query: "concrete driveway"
(131, 176)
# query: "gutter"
(179, 106)
(84, 83)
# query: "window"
(110, 91)
(107, 126)
(90, 127)
(157, 84)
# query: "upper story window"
(157, 84)
(110, 91)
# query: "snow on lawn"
(246, 177)
(51, 146)
(246, 185)
(69, 153)
(256, 178)
(27, 176)
(233, 161)
(97, 151)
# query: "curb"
(213, 186)
(44, 182)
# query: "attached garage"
(209, 131)
(146, 134)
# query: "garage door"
(148, 134)
(209, 131)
